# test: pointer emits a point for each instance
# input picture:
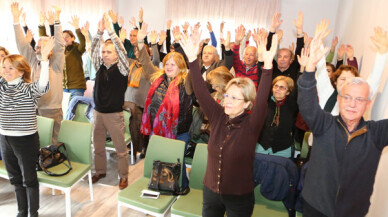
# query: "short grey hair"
(249, 47)
(358, 81)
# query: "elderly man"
(108, 94)
(346, 148)
(50, 105)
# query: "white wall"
(313, 10)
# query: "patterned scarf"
(134, 74)
(275, 120)
(166, 119)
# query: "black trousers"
(20, 154)
(235, 205)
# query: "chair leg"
(90, 185)
(118, 209)
(132, 154)
(68, 202)
(53, 191)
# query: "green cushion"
(131, 195)
(67, 180)
(3, 171)
(268, 208)
(80, 113)
(189, 205)
(188, 160)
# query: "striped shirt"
(18, 103)
(241, 70)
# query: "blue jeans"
(74, 92)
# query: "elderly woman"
(19, 140)
(228, 181)
(276, 138)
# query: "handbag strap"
(67, 165)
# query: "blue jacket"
(73, 107)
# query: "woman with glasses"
(276, 138)
(228, 181)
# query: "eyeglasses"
(276, 86)
(358, 100)
(233, 98)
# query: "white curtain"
(87, 10)
(250, 13)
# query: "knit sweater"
(18, 102)
(231, 147)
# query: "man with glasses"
(50, 105)
(346, 148)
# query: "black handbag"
(50, 156)
(165, 178)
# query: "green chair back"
(305, 146)
(268, 208)
(80, 113)
(198, 168)
(163, 149)
(45, 130)
(77, 138)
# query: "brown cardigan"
(232, 142)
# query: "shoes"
(123, 183)
(97, 177)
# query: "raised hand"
(380, 40)
(58, 11)
(113, 16)
(46, 48)
(51, 17)
(85, 30)
(141, 15)
(209, 27)
(322, 27)
(303, 58)
(132, 22)
(23, 21)
(349, 51)
(101, 25)
(153, 36)
(74, 21)
(142, 33)
(107, 23)
(176, 32)
(292, 47)
(121, 21)
(227, 41)
(249, 35)
(123, 34)
(16, 12)
(222, 27)
(255, 35)
(168, 24)
(29, 36)
(239, 34)
(42, 18)
(334, 43)
(191, 44)
(299, 23)
(280, 35)
(341, 51)
(185, 26)
(162, 37)
(276, 21)
(261, 47)
(269, 55)
(316, 53)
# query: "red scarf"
(275, 120)
(166, 119)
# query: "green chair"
(45, 131)
(191, 204)
(80, 113)
(77, 138)
(268, 208)
(159, 148)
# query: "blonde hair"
(288, 80)
(247, 87)
(4, 50)
(21, 64)
(180, 62)
(220, 77)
